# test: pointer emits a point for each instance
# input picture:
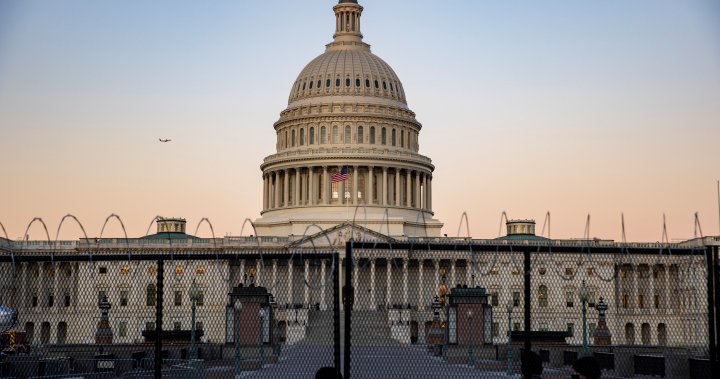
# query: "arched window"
(360, 136)
(311, 84)
(402, 138)
(304, 84)
(319, 83)
(337, 82)
(384, 85)
(335, 136)
(645, 333)
(377, 85)
(62, 332)
(347, 134)
(287, 140)
(327, 83)
(347, 82)
(543, 296)
(293, 138)
(630, 334)
(372, 135)
(383, 136)
(30, 330)
(45, 333)
(367, 83)
(312, 135)
(662, 334)
(391, 87)
(323, 135)
(302, 136)
(151, 295)
(357, 82)
(392, 136)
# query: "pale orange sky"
(585, 108)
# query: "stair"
(369, 328)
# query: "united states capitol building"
(347, 108)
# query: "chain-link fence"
(375, 310)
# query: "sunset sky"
(572, 107)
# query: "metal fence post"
(349, 300)
(336, 310)
(527, 275)
(159, 319)
(712, 289)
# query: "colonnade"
(370, 185)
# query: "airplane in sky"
(164, 140)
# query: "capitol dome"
(347, 139)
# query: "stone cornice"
(324, 156)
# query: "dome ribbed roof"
(348, 72)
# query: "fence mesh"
(372, 311)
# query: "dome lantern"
(347, 22)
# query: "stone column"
(452, 274)
(323, 284)
(354, 185)
(408, 189)
(388, 293)
(325, 183)
(306, 295)
(429, 193)
(384, 187)
(265, 189)
(405, 281)
(286, 188)
(371, 187)
(373, 303)
(424, 195)
(290, 283)
(277, 190)
(311, 186)
(421, 295)
(274, 278)
(397, 187)
(417, 189)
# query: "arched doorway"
(30, 330)
(45, 332)
(662, 334)
(630, 334)
(645, 333)
(62, 332)
(413, 332)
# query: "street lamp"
(584, 299)
(471, 360)
(238, 307)
(509, 307)
(261, 338)
(194, 294)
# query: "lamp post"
(194, 294)
(509, 307)
(261, 338)
(471, 359)
(584, 299)
(238, 308)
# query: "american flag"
(340, 176)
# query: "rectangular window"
(516, 299)
(625, 301)
(569, 299)
(122, 329)
(392, 137)
(51, 300)
(103, 270)
(34, 301)
(67, 300)
(199, 325)
(494, 299)
(177, 326)
(641, 301)
(516, 326)
(178, 298)
(571, 329)
(656, 301)
(383, 136)
(495, 328)
(123, 298)
(101, 295)
(200, 299)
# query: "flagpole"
(718, 191)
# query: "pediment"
(337, 236)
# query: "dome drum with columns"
(347, 108)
